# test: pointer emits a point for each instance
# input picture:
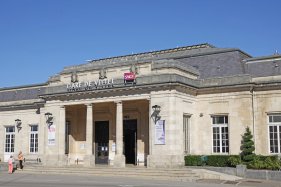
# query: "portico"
(92, 132)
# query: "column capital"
(89, 104)
(62, 107)
(118, 102)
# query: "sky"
(38, 38)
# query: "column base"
(119, 161)
(89, 160)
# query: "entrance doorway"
(101, 142)
(130, 141)
(67, 133)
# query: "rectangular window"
(33, 147)
(10, 140)
(220, 134)
(186, 133)
(274, 129)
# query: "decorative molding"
(215, 102)
(74, 77)
(134, 69)
(89, 104)
(102, 73)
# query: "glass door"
(101, 141)
(130, 141)
(67, 133)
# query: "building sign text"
(90, 85)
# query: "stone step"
(176, 174)
(110, 170)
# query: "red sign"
(129, 76)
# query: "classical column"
(61, 137)
(119, 159)
(151, 133)
(89, 159)
(150, 127)
(43, 128)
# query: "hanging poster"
(160, 132)
(52, 134)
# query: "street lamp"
(49, 119)
(18, 124)
(155, 115)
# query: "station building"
(147, 109)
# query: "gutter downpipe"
(253, 115)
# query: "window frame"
(272, 123)
(220, 126)
(13, 134)
(31, 132)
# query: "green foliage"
(234, 160)
(265, 162)
(193, 160)
(258, 162)
(247, 147)
(213, 160)
(217, 160)
(272, 163)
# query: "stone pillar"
(42, 143)
(150, 127)
(151, 134)
(119, 159)
(89, 159)
(61, 137)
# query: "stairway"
(166, 174)
(178, 174)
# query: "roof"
(174, 53)
(205, 61)
(159, 52)
(125, 59)
(263, 58)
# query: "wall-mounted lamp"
(18, 124)
(155, 115)
(156, 108)
(49, 119)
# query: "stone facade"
(207, 97)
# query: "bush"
(272, 163)
(265, 162)
(218, 160)
(234, 160)
(193, 160)
(213, 160)
(247, 146)
(258, 162)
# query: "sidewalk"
(243, 182)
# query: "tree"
(247, 147)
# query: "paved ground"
(44, 180)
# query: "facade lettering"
(90, 85)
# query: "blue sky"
(40, 37)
